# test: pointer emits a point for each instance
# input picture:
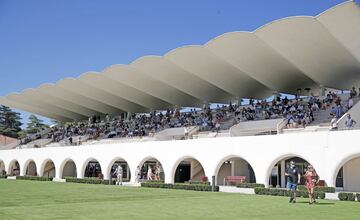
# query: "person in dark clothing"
(293, 179)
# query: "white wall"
(327, 151)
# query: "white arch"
(26, 166)
(109, 166)
(177, 163)
(84, 164)
(62, 165)
(341, 164)
(11, 164)
(43, 164)
(219, 165)
(148, 158)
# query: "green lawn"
(22, 199)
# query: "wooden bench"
(233, 180)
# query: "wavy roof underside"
(282, 56)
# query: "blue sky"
(44, 41)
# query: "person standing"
(349, 122)
(149, 174)
(293, 176)
(119, 173)
(334, 124)
(311, 179)
(157, 171)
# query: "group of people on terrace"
(296, 111)
(299, 112)
(139, 125)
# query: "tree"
(10, 124)
(35, 125)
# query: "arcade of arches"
(189, 169)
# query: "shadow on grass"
(318, 203)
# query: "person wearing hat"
(293, 179)
(311, 179)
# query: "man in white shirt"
(119, 172)
(149, 174)
(334, 124)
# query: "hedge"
(36, 178)
(358, 197)
(91, 180)
(319, 189)
(346, 196)
(185, 186)
(199, 182)
(285, 192)
(250, 185)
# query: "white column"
(22, 169)
(168, 175)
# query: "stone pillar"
(79, 173)
(282, 167)
(58, 173)
(23, 169)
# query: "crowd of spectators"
(298, 112)
(139, 125)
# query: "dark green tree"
(35, 125)
(10, 124)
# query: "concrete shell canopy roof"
(286, 55)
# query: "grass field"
(22, 199)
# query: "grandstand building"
(309, 57)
